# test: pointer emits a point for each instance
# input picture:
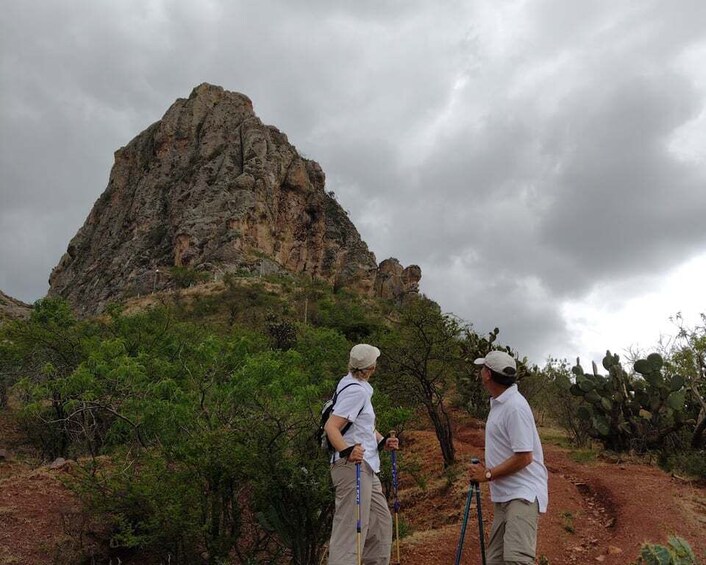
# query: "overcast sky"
(543, 161)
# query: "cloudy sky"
(543, 161)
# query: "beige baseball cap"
(500, 362)
(363, 356)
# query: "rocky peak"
(12, 309)
(210, 187)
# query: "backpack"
(326, 409)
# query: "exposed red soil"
(599, 512)
(30, 503)
(37, 518)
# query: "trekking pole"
(480, 525)
(357, 511)
(459, 547)
(396, 503)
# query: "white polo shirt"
(354, 404)
(511, 429)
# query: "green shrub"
(149, 505)
(347, 315)
(282, 332)
(185, 277)
(690, 462)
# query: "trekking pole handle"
(382, 444)
(474, 461)
(394, 473)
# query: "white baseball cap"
(363, 356)
(499, 362)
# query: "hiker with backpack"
(362, 524)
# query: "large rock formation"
(210, 187)
(12, 309)
(394, 281)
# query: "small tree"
(40, 353)
(562, 406)
(421, 356)
(471, 391)
(687, 357)
(469, 387)
(292, 495)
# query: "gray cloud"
(520, 153)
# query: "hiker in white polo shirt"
(514, 465)
(359, 444)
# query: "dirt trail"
(598, 512)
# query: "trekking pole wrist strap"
(346, 452)
(382, 442)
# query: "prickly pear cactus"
(630, 411)
(655, 555)
(678, 552)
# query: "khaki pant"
(513, 537)
(375, 518)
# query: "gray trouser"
(513, 537)
(375, 519)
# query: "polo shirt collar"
(507, 394)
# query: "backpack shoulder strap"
(349, 424)
(336, 393)
(335, 396)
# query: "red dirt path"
(599, 512)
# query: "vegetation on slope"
(193, 420)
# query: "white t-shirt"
(510, 429)
(354, 404)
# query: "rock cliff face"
(211, 188)
(12, 309)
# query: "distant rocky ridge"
(211, 188)
(12, 309)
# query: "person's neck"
(496, 389)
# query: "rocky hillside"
(12, 309)
(210, 187)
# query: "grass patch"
(567, 522)
(554, 436)
(7, 558)
(583, 455)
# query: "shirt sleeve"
(349, 403)
(520, 426)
